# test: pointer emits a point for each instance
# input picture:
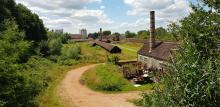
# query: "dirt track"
(76, 94)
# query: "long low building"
(106, 46)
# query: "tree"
(143, 34)
(27, 21)
(116, 36)
(129, 34)
(163, 34)
(161, 31)
(193, 78)
(106, 33)
(93, 35)
(30, 23)
(6, 9)
(13, 84)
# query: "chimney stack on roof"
(100, 33)
(152, 31)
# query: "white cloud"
(68, 14)
(71, 15)
(92, 16)
(166, 10)
(54, 4)
(149, 4)
(162, 7)
(102, 7)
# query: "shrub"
(71, 51)
(113, 59)
(66, 61)
(193, 79)
(43, 49)
(55, 46)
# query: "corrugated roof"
(161, 50)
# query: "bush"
(71, 51)
(66, 61)
(43, 49)
(55, 46)
(13, 84)
(193, 77)
(112, 59)
(105, 78)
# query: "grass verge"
(108, 78)
(49, 97)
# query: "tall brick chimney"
(152, 31)
(100, 33)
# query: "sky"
(115, 15)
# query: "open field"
(130, 49)
(98, 54)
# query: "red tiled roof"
(161, 51)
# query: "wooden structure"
(110, 48)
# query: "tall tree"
(143, 34)
(192, 79)
(107, 33)
(30, 23)
(12, 84)
(129, 34)
(6, 8)
(27, 21)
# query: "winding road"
(72, 92)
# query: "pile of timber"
(110, 48)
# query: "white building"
(59, 31)
(83, 32)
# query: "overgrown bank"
(193, 77)
(108, 78)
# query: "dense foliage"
(26, 20)
(107, 33)
(193, 79)
(12, 49)
(27, 53)
(129, 34)
(93, 35)
(161, 34)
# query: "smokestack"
(152, 31)
(100, 33)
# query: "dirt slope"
(76, 94)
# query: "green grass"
(93, 54)
(129, 50)
(98, 54)
(110, 74)
(108, 78)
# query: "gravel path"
(76, 94)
